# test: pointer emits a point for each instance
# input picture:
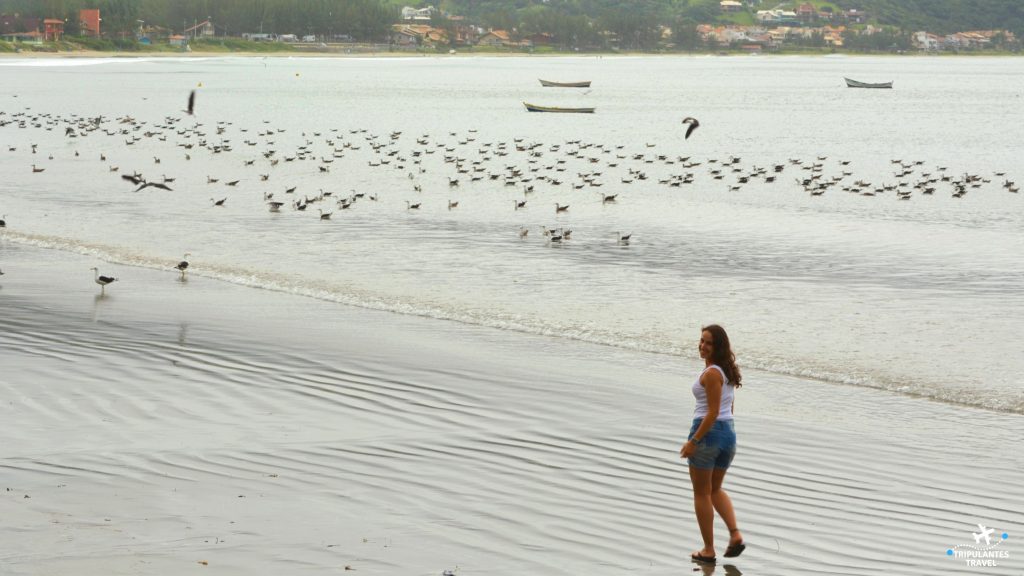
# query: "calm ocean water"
(921, 296)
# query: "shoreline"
(463, 54)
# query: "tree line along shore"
(502, 26)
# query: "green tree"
(685, 35)
(119, 17)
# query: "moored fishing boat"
(535, 108)
(550, 84)
(857, 84)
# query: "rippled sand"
(174, 423)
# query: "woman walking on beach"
(711, 445)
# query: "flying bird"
(160, 185)
(693, 126)
(191, 103)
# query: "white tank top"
(728, 394)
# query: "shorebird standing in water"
(183, 265)
(102, 280)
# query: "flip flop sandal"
(735, 550)
(705, 559)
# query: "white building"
(927, 41)
(424, 14)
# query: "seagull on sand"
(693, 126)
(103, 280)
(191, 103)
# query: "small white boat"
(857, 84)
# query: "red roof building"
(806, 12)
(89, 22)
(11, 23)
(53, 29)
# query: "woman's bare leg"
(723, 505)
(704, 508)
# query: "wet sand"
(173, 426)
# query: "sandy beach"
(175, 426)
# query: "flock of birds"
(539, 169)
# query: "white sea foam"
(1001, 400)
(75, 61)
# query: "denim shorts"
(717, 448)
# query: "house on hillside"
(777, 17)
(203, 29)
(402, 35)
(89, 22)
(806, 12)
(495, 39)
(927, 41)
(833, 36)
(53, 29)
(855, 16)
(32, 36)
(706, 32)
(418, 14)
(541, 39)
(730, 6)
(14, 23)
(418, 35)
(969, 40)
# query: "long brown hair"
(723, 355)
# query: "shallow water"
(919, 296)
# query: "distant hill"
(939, 16)
(944, 16)
(572, 24)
